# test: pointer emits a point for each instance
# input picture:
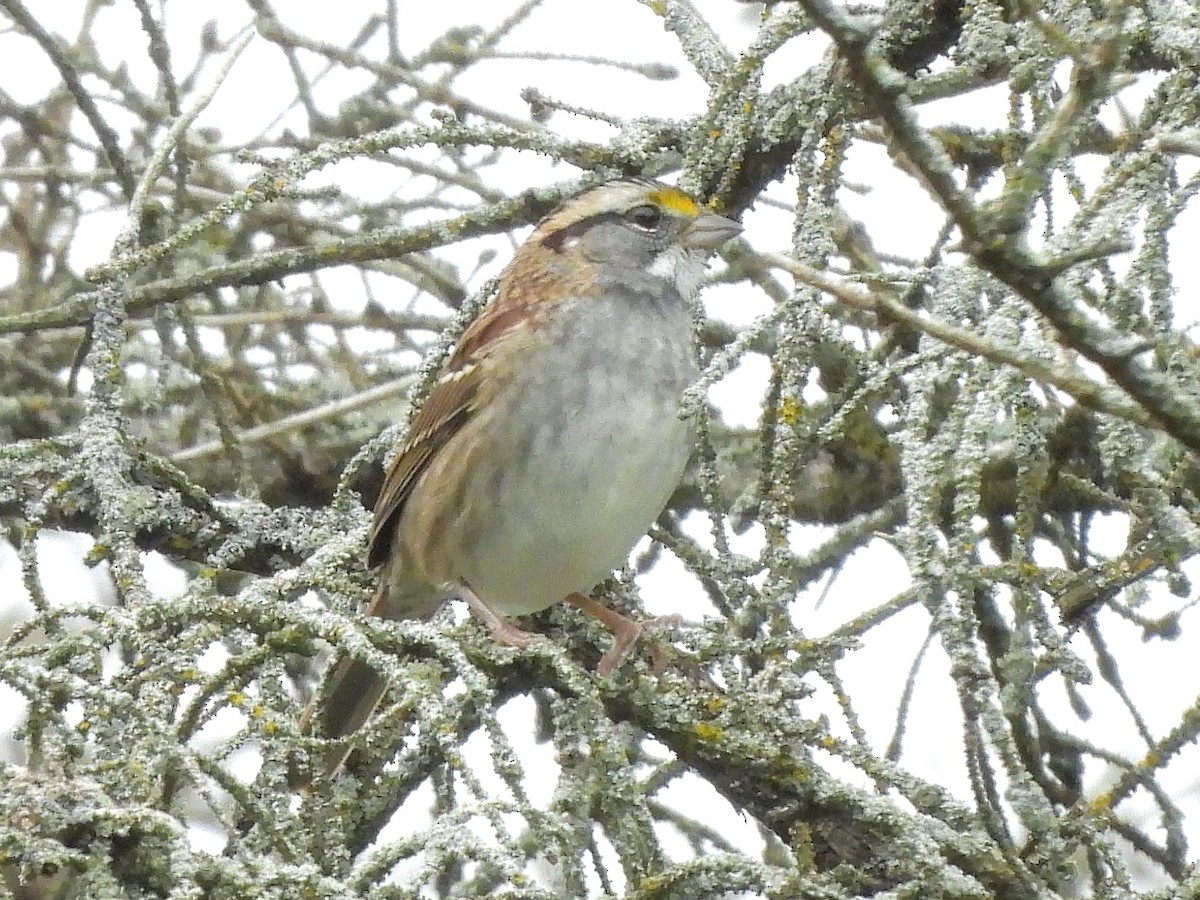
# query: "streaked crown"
(618, 197)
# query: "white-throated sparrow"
(553, 435)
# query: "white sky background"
(897, 214)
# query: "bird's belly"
(591, 475)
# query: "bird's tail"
(347, 699)
(352, 689)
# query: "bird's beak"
(708, 231)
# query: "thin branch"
(1069, 380)
(321, 413)
(66, 68)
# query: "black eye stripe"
(555, 240)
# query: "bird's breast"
(586, 446)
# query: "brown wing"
(448, 406)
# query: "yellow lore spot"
(676, 201)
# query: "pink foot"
(625, 632)
(504, 631)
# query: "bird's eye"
(645, 217)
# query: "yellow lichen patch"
(789, 410)
(676, 201)
(707, 732)
(802, 846)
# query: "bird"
(552, 437)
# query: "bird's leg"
(504, 631)
(625, 631)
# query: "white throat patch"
(683, 267)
